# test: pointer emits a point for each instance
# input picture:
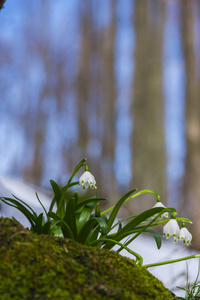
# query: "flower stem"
(137, 194)
(171, 261)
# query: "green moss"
(44, 267)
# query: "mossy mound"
(44, 267)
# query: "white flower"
(185, 235)
(86, 180)
(171, 229)
(159, 204)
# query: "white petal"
(171, 229)
(159, 204)
(185, 236)
(86, 180)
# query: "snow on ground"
(171, 275)
(12, 186)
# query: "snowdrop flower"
(171, 229)
(159, 204)
(185, 236)
(86, 180)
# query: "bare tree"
(108, 103)
(148, 143)
(191, 185)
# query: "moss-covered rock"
(44, 267)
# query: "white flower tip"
(86, 180)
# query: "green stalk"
(171, 261)
(138, 257)
(137, 194)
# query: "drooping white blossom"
(86, 180)
(171, 229)
(185, 236)
(159, 204)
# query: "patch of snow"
(11, 186)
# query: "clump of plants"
(84, 222)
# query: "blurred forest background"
(117, 82)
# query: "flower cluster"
(171, 229)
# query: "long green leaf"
(91, 200)
(142, 217)
(170, 210)
(31, 217)
(70, 217)
(139, 258)
(24, 203)
(67, 232)
(77, 169)
(53, 215)
(136, 221)
(85, 215)
(156, 237)
(67, 186)
(41, 203)
(57, 193)
(129, 233)
(89, 226)
(117, 208)
(46, 228)
(37, 228)
(94, 234)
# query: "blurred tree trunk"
(148, 143)
(36, 119)
(83, 79)
(191, 186)
(108, 104)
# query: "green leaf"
(41, 203)
(142, 217)
(67, 232)
(156, 237)
(61, 206)
(91, 200)
(37, 228)
(24, 203)
(57, 193)
(139, 258)
(77, 169)
(15, 203)
(53, 215)
(67, 186)
(89, 226)
(94, 234)
(117, 208)
(85, 215)
(46, 228)
(125, 231)
(70, 217)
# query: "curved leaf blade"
(70, 217)
(117, 208)
(88, 201)
(89, 226)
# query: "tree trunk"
(191, 186)
(148, 143)
(108, 104)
